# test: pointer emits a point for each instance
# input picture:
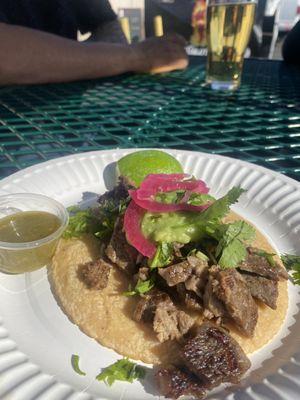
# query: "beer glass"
(229, 25)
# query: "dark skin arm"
(33, 56)
(110, 32)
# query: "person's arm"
(108, 32)
(31, 56)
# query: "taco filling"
(167, 274)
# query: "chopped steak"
(196, 261)
(214, 356)
(176, 273)
(177, 249)
(117, 194)
(262, 289)
(174, 382)
(119, 251)
(259, 265)
(95, 274)
(168, 322)
(141, 260)
(232, 290)
(196, 282)
(147, 305)
(214, 308)
(189, 299)
(142, 275)
(193, 272)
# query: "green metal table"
(259, 123)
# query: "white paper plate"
(37, 339)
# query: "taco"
(165, 273)
(184, 283)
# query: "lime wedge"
(136, 166)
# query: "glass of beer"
(229, 25)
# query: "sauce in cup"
(30, 232)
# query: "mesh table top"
(259, 123)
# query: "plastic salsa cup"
(22, 257)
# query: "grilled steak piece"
(193, 272)
(214, 308)
(189, 299)
(231, 289)
(214, 356)
(142, 275)
(259, 265)
(262, 289)
(176, 273)
(196, 282)
(119, 251)
(95, 274)
(147, 305)
(174, 382)
(168, 322)
(177, 250)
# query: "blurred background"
(143, 18)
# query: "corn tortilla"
(106, 315)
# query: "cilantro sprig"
(121, 370)
(231, 248)
(80, 222)
(75, 364)
(292, 263)
(210, 219)
(268, 256)
(231, 238)
(173, 197)
(198, 199)
(99, 220)
(141, 287)
(163, 255)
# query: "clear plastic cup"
(229, 26)
(22, 257)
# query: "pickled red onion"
(154, 183)
(155, 206)
(132, 225)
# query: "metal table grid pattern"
(259, 123)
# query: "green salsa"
(22, 228)
(28, 226)
(171, 227)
